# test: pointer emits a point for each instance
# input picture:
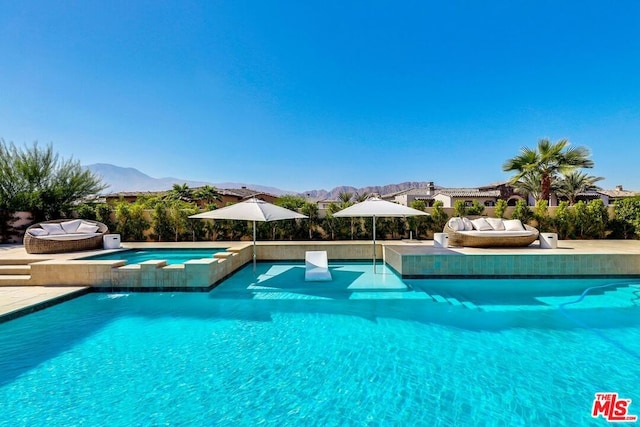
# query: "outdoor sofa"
(64, 235)
(484, 232)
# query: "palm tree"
(359, 198)
(576, 182)
(310, 209)
(345, 199)
(208, 194)
(180, 192)
(529, 184)
(546, 163)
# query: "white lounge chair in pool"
(316, 266)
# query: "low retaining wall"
(286, 251)
(446, 263)
(198, 274)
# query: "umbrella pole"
(254, 247)
(374, 244)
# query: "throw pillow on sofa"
(468, 225)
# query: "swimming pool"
(172, 256)
(363, 349)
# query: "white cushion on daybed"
(513, 225)
(68, 230)
(468, 225)
(494, 233)
(456, 224)
(481, 224)
(71, 226)
(86, 227)
(52, 229)
(496, 223)
(73, 236)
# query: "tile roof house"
(227, 195)
(487, 195)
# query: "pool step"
(629, 295)
(19, 261)
(12, 270)
(453, 301)
(14, 279)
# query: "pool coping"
(34, 298)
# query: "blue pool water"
(172, 256)
(362, 350)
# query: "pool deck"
(410, 258)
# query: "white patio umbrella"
(376, 207)
(251, 210)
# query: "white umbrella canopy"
(251, 210)
(376, 207)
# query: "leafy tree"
(10, 182)
(289, 229)
(339, 228)
(564, 220)
(36, 179)
(576, 182)
(541, 215)
(590, 219)
(419, 224)
(86, 211)
(581, 220)
(399, 227)
(384, 228)
(439, 216)
(500, 208)
(161, 223)
(310, 209)
(104, 215)
(598, 218)
(476, 208)
(627, 218)
(545, 164)
(522, 212)
(459, 208)
(130, 221)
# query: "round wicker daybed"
(68, 242)
(491, 239)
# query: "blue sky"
(306, 95)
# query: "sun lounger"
(64, 235)
(511, 233)
(316, 266)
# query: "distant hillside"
(379, 189)
(130, 179)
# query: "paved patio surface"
(19, 300)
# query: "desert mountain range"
(121, 179)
